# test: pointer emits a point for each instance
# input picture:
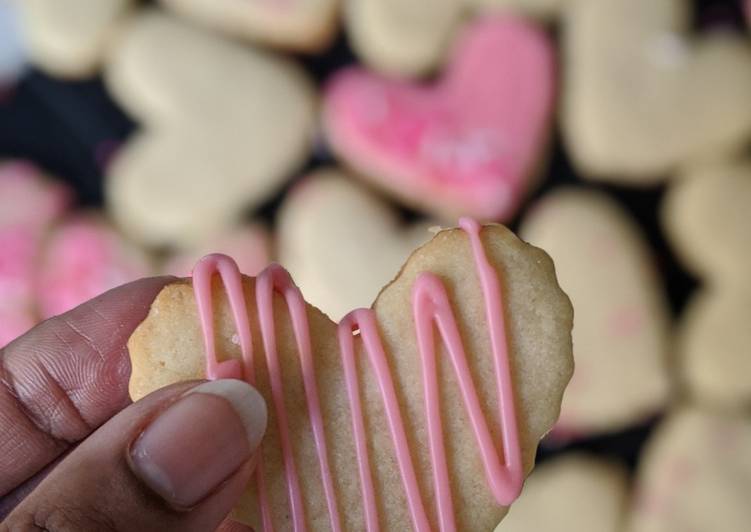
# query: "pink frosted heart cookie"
(249, 245)
(468, 144)
(84, 257)
(28, 203)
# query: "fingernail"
(200, 441)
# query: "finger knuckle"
(60, 518)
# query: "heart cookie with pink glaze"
(642, 96)
(305, 25)
(467, 144)
(341, 242)
(28, 204)
(622, 325)
(409, 38)
(83, 257)
(421, 413)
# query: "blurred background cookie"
(575, 493)
(29, 203)
(622, 323)
(707, 218)
(695, 475)
(642, 96)
(213, 141)
(713, 348)
(84, 256)
(69, 38)
(411, 38)
(341, 242)
(249, 244)
(306, 25)
(468, 144)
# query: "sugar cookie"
(28, 204)
(410, 38)
(695, 476)
(68, 38)
(84, 256)
(306, 25)
(574, 493)
(454, 278)
(341, 243)
(622, 320)
(641, 96)
(249, 245)
(224, 126)
(707, 218)
(468, 144)
(713, 352)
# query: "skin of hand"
(76, 454)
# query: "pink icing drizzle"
(430, 303)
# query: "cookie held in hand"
(427, 409)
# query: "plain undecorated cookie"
(69, 38)
(168, 347)
(341, 242)
(642, 96)
(249, 245)
(306, 25)
(695, 475)
(707, 218)
(573, 493)
(713, 348)
(409, 38)
(223, 126)
(622, 325)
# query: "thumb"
(178, 459)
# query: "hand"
(75, 454)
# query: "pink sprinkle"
(626, 321)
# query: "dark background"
(72, 129)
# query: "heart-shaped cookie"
(642, 96)
(224, 126)
(69, 38)
(84, 256)
(713, 353)
(357, 432)
(409, 38)
(622, 320)
(468, 144)
(574, 493)
(29, 203)
(306, 25)
(341, 242)
(695, 475)
(249, 245)
(707, 217)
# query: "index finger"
(65, 377)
